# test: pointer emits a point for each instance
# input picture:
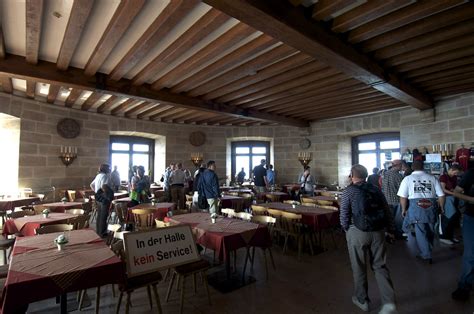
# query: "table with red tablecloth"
(231, 201)
(28, 224)
(276, 196)
(60, 207)
(160, 210)
(240, 191)
(10, 203)
(315, 217)
(39, 271)
(291, 187)
(226, 235)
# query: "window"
(375, 149)
(247, 155)
(128, 151)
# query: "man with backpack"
(365, 216)
(421, 189)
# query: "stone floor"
(318, 284)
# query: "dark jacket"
(104, 197)
(209, 184)
(196, 180)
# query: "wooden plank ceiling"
(228, 62)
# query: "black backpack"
(369, 214)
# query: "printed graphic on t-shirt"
(422, 188)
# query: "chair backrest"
(121, 210)
(323, 193)
(71, 194)
(273, 197)
(307, 200)
(87, 206)
(291, 222)
(22, 213)
(233, 193)
(161, 224)
(323, 202)
(40, 196)
(81, 221)
(243, 216)
(143, 218)
(291, 202)
(328, 207)
(258, 210)
(75, 211)
(112, 229)
(229, 212)
(54, 228)
(309, 204)
(274, 212)
(264, 220)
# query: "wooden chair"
(6, 244)
(143, 218)
(328, 207)
(121, 212)
(187, 270)
(277, 228)
(323, 202)
(71, 195)
(324, 193)
(307, 200)
(291, 202)
(259, 210)
(161, 224)
(293, 228)
(54, 228)
(243, 216)
(21, 213)
(248, 198)
(75, 211)
(87, 206)
(189, 202)
(270, 223)
(81, 222)
(310, 204)
(272, 197)
(228, 212)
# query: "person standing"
(260, 176)
(166, 181)
(421, 190)
(199, 200)
(365, 233)
(374, 177)
(115, 177)
(209, 186)
(140, 187)
(307, 182)
(270, 175)
(177, 180)
(390, 184)
(451, 215)
(465, 191)
(102, 185)
(240, 176)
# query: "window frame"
(134, 140)
(377, 138)
(249, 144)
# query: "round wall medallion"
(197, 138)
(305, 143)
(68, 128)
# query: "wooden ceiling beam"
(433, 23)
(7, 85)
(34, 13)
(91, 100)
(75, 26)
(247, 69)
(324, 9)
(266, 73)
(73, 96)
(359, 111)
(224, 42)
(137, 109)
(53, 93)
(171, 15)
(126, 105)
(400, 18)
(236, 57)
(108, 104)
(162, 112)
(46, 72)
(118, 25)
(288, 24)
(30, 89)
(149, 112)
(454, 90)
(168, 113)
(207, 24)
(366, 12)
(454, 82)
(443, 75)
(440, 67)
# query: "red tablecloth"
(27, 225)
(316, 217)
(226, 235)
(39, 271)
(240, 191)
(160, 210)
(11, 203)
(230, 201)
(60, 207)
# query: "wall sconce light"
(196, 159)
(68, 154)
(304, 158)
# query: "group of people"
(405, 204)
(263, 176)
(176, 182)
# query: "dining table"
(225, 235)
(60, 207)
(276, 196)
(9, 203)
(27, 225)
(160, 210)
(231, 201)
(39, 270)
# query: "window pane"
(121, 161)
(259, 150)
(367, 146)
(140, 148)
(383, 157)
(242, 162)
(389, 144)
(120, 146)
(141, 160)
(368, 160)
(242, 150)
(256, 160)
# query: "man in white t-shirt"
(421, 190)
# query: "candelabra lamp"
(304, 158)
(196, 159)
(68, 154)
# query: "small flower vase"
(293, 205)
(213, 220)
(60, 246)
(45, 215)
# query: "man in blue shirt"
(270, 175)
(260, 177)
(209, 186)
